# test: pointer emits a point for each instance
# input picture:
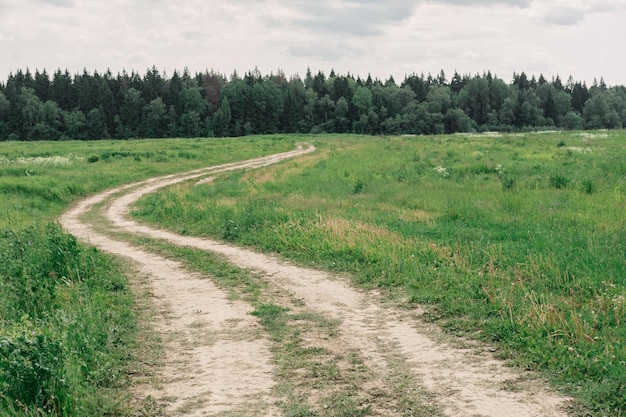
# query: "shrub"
(31, 372)
(231, 230)
(358, 187)
(589, 186)
(315, 130)
(508, 183)
(559, 181)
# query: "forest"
(96, 105)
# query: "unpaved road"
(219, 361)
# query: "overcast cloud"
(394, 37)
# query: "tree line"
(208, 104)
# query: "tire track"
(215, 360)
(462, 382)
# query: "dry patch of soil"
(218, 360)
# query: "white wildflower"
(485, 135)
(588, 135)
(543, 132)
(441, 171)
(44, 160)
(577, 149)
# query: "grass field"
(68, 319)
(519, 239)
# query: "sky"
(579, 38)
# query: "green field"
(518, 239)
(68, 319)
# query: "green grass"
(522, 237)
(68, 317)
(39, 179)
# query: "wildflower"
(578, 149)
(47, 160)
(588, 135)
(441, 171)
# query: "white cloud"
(196, 35)
(6, 38)
(381, 37)
(329, 52)
(564, 16)
(59, 3)
(360, 18)
(470, 3)
(606, 6)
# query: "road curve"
(462, 382)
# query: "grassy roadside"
(68, 319)
(522, 237)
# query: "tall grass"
(67, 325)
(519, 237)
(67, 316)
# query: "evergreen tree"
(152, 85)
(457, 83)
(419, 85)
(41, 85)
(474, 99)
(293, 111)
(319, 85)
(63, 90)
(212, 84)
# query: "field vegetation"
(68, 317)
(517, 239)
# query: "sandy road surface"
(218, 359)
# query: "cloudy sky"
(581, 38)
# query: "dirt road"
(218, 360)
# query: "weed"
(559, 181)
(231, 230)
(31, 371)
(344, 404)
(589, 186)
(269, 313)
(299, 410)
(508, 183)
(358, 187)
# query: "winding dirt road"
(219, 361)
